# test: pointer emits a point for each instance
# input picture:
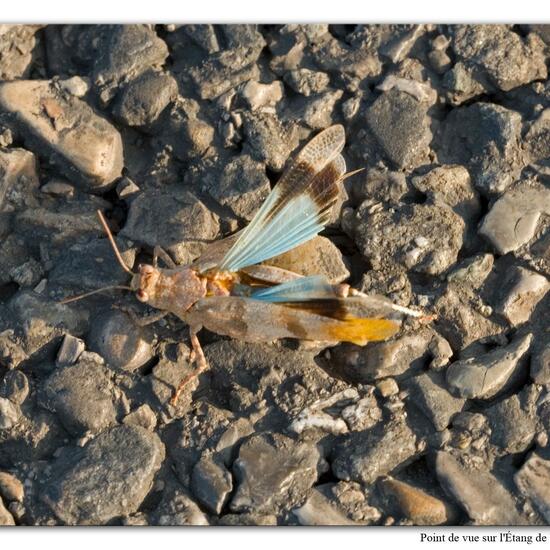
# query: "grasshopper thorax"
(174, 290)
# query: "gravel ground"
(178, 133)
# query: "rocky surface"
(178, 133)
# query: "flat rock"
(11, 488)
(365, 456)
(485, 138)
(84, 146)
(10, 414)
(478, 492)
(513, 218)
(144, 99)
(400, 125)
(15, 386)
(306, 81)
(533, 481)
(5, 517)
(540, 363)
(513, 423)
(318, 256)
(519, 294)
(452, 185)
(319, 510)
(413, 503)
(107, 478)
(429, 393)
(126, 51)
(186, 225)
(123, 344)
(401, 357)
(259, 95)
(83, 397)
(17, 43)
(211, 483)
(272, 470)
(424, 238)
(178, 508)
(18, 178)
(242, 187)
(503, 59)
(267, 140)
(488, 375)
(143, 416)
(70, 350)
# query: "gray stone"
(272, 472)
(472, 271)
(414, 504)
(18, 179)
(185, 130)
(267, 140)
(259, 95)
(12, 249)
(211, 483)
(177, 221)
(317, 111)
(70, 350)
(306, 81)
(428, 392)
(540, 363)
(533, 481)
(537, 138)
(250, 519)
(513, 218)
(319, 510)
(82, 396)
(5, 517)
(232, 437)
(440, 61)
(519, 294)
(144, 99)
(109, 477)
(17, 43)
(380, 185)
(460, 323)
(123, 344)
(11, 488)
(400, 125)
(513, 424)
(76, 85)
(242, 187)
(27, 274)
(15, 386)
(142, 416)
(390, 236)
(204, 36)
(228, 68)
(478, 492)
(365, 456)
(10, 414)
(126, 51)
(179, 509)
(502, 58)
(485, 138)
(84, 146)
(488, 375)
(404, 356)
(318, 256)
(452, 185)
(461, 84)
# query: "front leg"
(197, 356)
(159, 252)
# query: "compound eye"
(142, 296)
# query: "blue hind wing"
(302, 289)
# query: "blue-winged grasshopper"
(227, 292)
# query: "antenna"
(113, 244)
(86, 294)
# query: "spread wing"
(299, 205)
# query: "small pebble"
(70, 350)
(10, 487)
(387, 387)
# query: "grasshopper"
(227, 292)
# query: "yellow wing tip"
(360, 331)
